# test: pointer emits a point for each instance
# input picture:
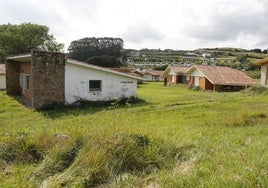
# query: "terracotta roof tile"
(2, 69)
(153, 72)
(225, 75)
(179, 68)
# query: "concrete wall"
(197, 73)
(48, 70)
(2, 81)
(150, 77)
(264, 74)
(113, 86)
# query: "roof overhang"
(21, 58)
(262, 61)
(83, 64)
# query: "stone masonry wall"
(48, 76)
(12, 77)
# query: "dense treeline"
(86, 48)
(18, 39)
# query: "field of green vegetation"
(176, 138)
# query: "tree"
(104, 61)
(86, 48)
(17, 39)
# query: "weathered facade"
(44, 79)
(93, 83)
(37, 77)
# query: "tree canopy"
(85, 48)
(17, 39)
(104, 61)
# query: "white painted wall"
(264, 76)
(148, 77)
(113, 86)
(196, 73)
(2, 81)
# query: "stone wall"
(48, 78)
(12, 77)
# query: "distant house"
(2, 76)
(130, 72)
(175, 74)
(47, 78)
(264, 70)
(153, 75)
(208, 77)
(218, 78)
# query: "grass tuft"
(20, 150)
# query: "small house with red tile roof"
(218, 78)
(2, 76)
(264, 70)
(153, 75)
(175, 74)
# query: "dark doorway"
(180, 79)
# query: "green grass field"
(177, 138)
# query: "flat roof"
(20, 58)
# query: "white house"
(264, 70)
(49, 78)
(152, 75)
(2, 76)
(94, 83)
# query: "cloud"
(178, 24)
(229, 22)
(142, 32)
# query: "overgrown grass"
(178, 138)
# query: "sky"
(154, 24)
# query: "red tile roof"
(224, 75)
(153, 72)
(179, 68)
(128, 71)
(2, 69)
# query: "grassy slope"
(225, 136)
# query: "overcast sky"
(175, 24)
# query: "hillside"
(233, 57)
(176, 138)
